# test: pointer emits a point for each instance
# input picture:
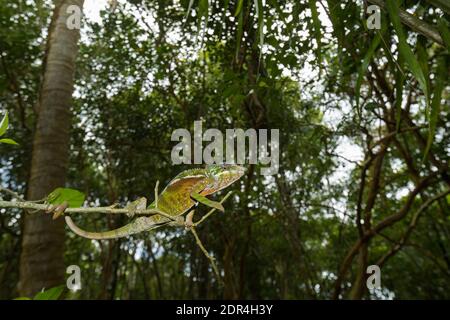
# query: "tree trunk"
(359, 286)
(42, 255)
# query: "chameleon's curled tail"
(138, 225)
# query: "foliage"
(3, 127)
(74, 198)
(357, 110)
(49, 294)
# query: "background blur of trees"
(357, 185)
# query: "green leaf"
(202, 12)
(73, 197)
(436, 102)
(8, 141)
(367, 58)
(191, 2)
(445, 32)
(224, 15)
(338, 24)
(22, 298)
(260, 14)
(50, 294)
(203, 8)
(399, 83)
(4, 124)
(405, 50)
(317, 28)
(239, 8)
(422, 56)
(240, 31)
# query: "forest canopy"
(358, 92)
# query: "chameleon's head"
(222, 176)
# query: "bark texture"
(42, 255)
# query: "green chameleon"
(186, 190)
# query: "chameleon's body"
(181, 194)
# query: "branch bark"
(42, 253)
(369, 234)
(415, 24)
(411, 227)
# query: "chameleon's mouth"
(240, 170)
(229, 174)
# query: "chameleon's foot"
(139, 204)
(57, 210)
(178, 221)
(188, 223)
(131, 211)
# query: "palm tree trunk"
(42, 255)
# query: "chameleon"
(183, 192)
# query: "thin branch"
(198, 241)
(212, 210)
(320, 205)
(394, 133)
(205, 252)
(106, 210)
(357, 163)
(412, 225)
(13, 194)
(415, 24)
(22, 204)
(34, 205)
(369, 234)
